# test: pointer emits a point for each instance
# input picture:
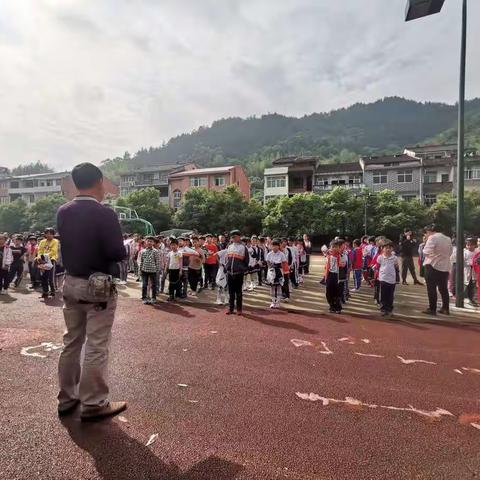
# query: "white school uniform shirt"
(437, 252)
(222, 257)
(468, 272)
(387, 272)
(276, 257)
(175, 260)
(295, 255)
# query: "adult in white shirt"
(437, 252)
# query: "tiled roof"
(154, 168)
(203, 171)
(339, 168)
(400, 158)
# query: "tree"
(390, 215)
(14, 217)
(32, 168)
(146, 202)
(217, 212)
(43, 213)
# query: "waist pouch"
(100, 287)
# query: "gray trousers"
(89, 325)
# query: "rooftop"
(385, 159)
(296, 160)
(154, 168)
(39, 175)
(203, 171)
(339, 168)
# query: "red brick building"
(211, 178)
(69, 190)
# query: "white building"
(276, 183)
(31, 188)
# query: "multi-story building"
(400, 173)
(31, 188)
(329, 176)
(420, 172)
(153, 176)
(211, 178)
(289, 175)
(4, 174)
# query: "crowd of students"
(39, 254)
(184, 266)
(193, 263)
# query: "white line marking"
(153, 438)
(365, 340)
(475, 425)
(46, 346)
(456, 370)
(327, 351)
(473, 370)
(349, 340)
(183, 385)
(301, 343)
(313, 397)
(369, 355)
(408, 362)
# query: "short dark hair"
(49, 230)
(86, 175)
(150, 237)
(431, 228)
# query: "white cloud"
(88, 79)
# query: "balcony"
(321, 188)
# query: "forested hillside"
(341, 135)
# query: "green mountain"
(384, 126)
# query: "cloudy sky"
(83, 80)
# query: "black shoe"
(52, 294)
(404, 283)
(444, 311)
(44, 296)
(63, 411)
(418, 283)
(429, 312)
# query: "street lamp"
(422, 8)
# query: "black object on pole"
(422, 8)
(460, 165)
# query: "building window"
(14, 184)
(58, 182)
(219, 181)
(409, 197)
(405, 176)
(177, 199)
(355, 179)
(296, 182)
(276, 182)
(379, 177)
(430, 176)
(445, 177)
(430, 199)
(472, 173)
(198, 181)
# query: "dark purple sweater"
(90, 237)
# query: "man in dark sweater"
(92, 243)
(408, 247)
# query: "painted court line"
(313, 397)
(408, 362)
(368, 355)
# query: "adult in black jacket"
(408, 247)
